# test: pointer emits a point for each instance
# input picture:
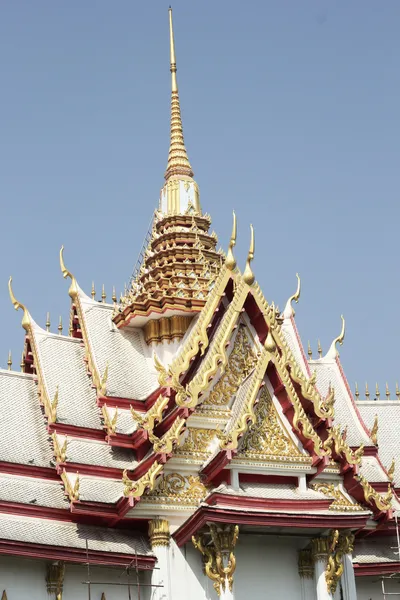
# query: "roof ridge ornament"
(178, 160)
(333, 351)
(230, 259)
(289, 310)
(26, 319)
(73, 290)
(248, 275)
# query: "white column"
(159, 539)
(306, 572)
(320, 553)
(227, 594)
(348, 578)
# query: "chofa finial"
(230, 259)
(248, 275)
(73, 289)
(289, 310)
(333, 352)
(26, 319)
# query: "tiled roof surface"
(62, 364)
(71, 535)
(388, 438)
(328, 373)
(125, 422)
(100, 489)
(289, 332)
(93, 452)
(28, 490)
(376, 550)
(372, 470)
(131, 372)
(23, 436)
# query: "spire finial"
(9, 360)
(93, 292)
(178, 161)
(387, 391)
(357, 393)
(332, 352)
(309, 351)
(289, 310)
(103, 294)
(367, 394)
(397, 391)
(248, 275)
(48, 322)
(319, 349)
(22, 364)
(230, 259)
(26, 319)
(114, 295)
(60, 326)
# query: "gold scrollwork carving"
(217, 546)
(196, 442)
(176, 488)
(340, 501)
(383, 503)
(336, 441)
(153, 415)
(339, 544)
(135, 489)
(166, 444)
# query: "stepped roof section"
(180, 262)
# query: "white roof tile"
(62, 364)
(71, 535)
(30, 490)
(100, 489)
(375, 550)
(131, 372)
(93, 452)
(372, 470)
(23, 435)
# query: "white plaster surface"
(370, 588)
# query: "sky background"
(291, 117)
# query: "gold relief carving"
(217, 547)
(241, 361)
(339, 544)
(177, 488)
(267, 437)
(166, 444)
(383, 503)
(197, 442)
(374, 431)
(391, 470)
(71, 490)
(336, 441)
(59, 451)
(340, 501)
(135, 489)
(55, 579)
(159, 533)
(319, 548)
(110, 423)
(161, 370)
(153, 415)
(306, 564)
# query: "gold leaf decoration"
(196, 442)
(176, 488)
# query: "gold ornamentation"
(241, 361)
(71, 490)
(159, 533)
(374, 431)
(60, 451)
(217, 547)
(340, 501)
(176, 488)
(294, 298)
(52, 409)
(166, 444)
(73, 290)
(391, 470)
(248, 275)
(135, 489)
(55, 579)
(339, 544)
(230, 259)
(110, 423)
(196, 442)
(305, 564)
(336, 441)
(383, 503)
(161, 370)
(103, 382)
(153, 415)
(319, 548)
(267, 437)
(166, 329)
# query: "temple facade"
(180, 442)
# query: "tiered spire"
(178, 161)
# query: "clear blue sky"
(291, 117)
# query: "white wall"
(266, 567)
(23, 578)
(370, 588)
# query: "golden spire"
(377, 392)
(48, 322)
(26, 318)
(309, 351)
(60, 326)
(9, 361)
(397, 390)
(367, 394)
(319, 349)
(387, 392)
(357, 393)
(114, 295)
(178, 161)
(93, 292)
(248, 275)
(22, 365)
(103, 294)
(230, 259)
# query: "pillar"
(320, 557)
(306, 572)
(159, 539)
(348, 578)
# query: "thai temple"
(182, 443)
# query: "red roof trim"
(267, 503)
(75, 555)
(378, 568)
(28, 471)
